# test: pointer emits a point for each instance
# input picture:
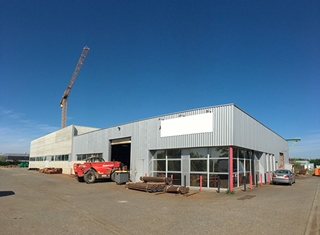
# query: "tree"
(296, 166)
(316, 162)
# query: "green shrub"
(230, 192)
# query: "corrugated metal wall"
(251, 134)
(231, 127)
(145, 134)
(221, 135)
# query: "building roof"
(16, 154)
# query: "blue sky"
(150, 58)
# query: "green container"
(23, 164)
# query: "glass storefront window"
(214, 178)
(160, 154)
(199, 153)
(218, 152)
(219, 165)
(159, 174)
(195, 180)
(173, 153)
(159, 165)
(176, 178)
(248, 165)
(249, 154)
(235, 165)
(198, 165)
(174, 165)
(209, 163)
(242, 153)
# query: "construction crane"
(63, 101)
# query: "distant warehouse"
(214, 143)
(16, 157)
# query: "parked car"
(283, 177)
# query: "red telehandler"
(95, 168)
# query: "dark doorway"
(121, 153)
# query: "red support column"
(230, 168)
(250, 179)
(200, 183)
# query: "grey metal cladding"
(221, 135)
(145, 134)
(231, 127)
(251, 134)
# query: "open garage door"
(121, 150)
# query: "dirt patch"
(301, 177)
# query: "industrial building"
(16, 157)
(213, 144)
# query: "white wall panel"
(194, 124)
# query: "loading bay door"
(120, 151)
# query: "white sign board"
(187, 125)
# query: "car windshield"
(282, 172)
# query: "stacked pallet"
(157, 184)
(51, 170)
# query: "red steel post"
(230, 168)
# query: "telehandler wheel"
(80, 179)
(113, 176)
(90, 177)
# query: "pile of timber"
(33, 169)
(176, 189)
(152, 179)
(146, 187)
(51, 170)
(156, 184)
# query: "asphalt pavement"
(34, 203)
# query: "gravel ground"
(36, 203)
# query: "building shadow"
(6, 193)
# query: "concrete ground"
(36, 203)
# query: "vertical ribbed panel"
(221, 135)
(251, 134)
(231, 126)
(145, 134)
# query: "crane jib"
(63, 101)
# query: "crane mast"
(63, 101)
